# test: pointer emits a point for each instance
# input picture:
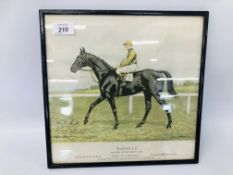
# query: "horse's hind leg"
(148, 108)
(163, 103)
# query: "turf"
(99, 128)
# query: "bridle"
(86, 62)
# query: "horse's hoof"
(168, 126)
(139, 125)
(115, 127)
(85, 121)
(71, 122)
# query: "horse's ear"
(84, 50)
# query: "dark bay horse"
(145, 81)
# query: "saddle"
(129, 77)
(125, 77)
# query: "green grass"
(186, 88)
(88, 91)
(101, 121)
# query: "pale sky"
(161, 42)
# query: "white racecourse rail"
(69, 98)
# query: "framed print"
(122, 87)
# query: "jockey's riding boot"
(122, 84)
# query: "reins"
(93, 77)
(92, 71)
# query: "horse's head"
(80, 61)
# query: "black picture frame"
(43, 13)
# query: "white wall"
(22, 148)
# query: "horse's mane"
(102, 61)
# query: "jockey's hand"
(118, 72)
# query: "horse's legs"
(147, 106)
(111, 101)
(96, 102)
(162, 103)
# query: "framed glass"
(122, 87)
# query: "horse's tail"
(170, 86)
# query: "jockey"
(128, 64)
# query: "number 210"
(63, 29)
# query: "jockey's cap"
(128, 42)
